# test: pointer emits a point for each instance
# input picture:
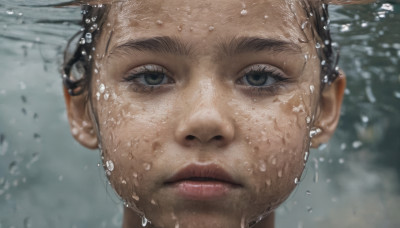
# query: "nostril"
(190, 137)
(218, 137)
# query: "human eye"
(148, 78)
(262, 79)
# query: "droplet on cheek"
(147, 166)
(262, 166)
(280, 173)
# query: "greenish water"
(47, 180)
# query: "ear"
(328, 112)
(81, 124)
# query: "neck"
(132, 220)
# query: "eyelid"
(148, 68)
(263, 67)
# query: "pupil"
(154, 79)
(256, 79)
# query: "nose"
(206, 121)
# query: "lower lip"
(202, 190)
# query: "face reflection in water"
(203, 109)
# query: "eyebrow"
(237, 45)
(160, 44)
(240, 45)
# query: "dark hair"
(94, 17)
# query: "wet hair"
(79, 62)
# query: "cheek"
(277, 141)
(132, 135)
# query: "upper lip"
(210, 172)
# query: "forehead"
(279, 19)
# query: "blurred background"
(47, 180)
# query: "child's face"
(216, 85)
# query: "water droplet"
(135, 197)
(345, 28)
(314, 132)
(308, 192)
(243, 12)
(396, 93)
(312, 89)
(357, 144)
(364, 119)
(280, 173)
(88, 37)
(303, 26)
(102, 88)
(343, 146)
(306, 156)
(341, 160)
(98, 96)
(263, 166)
(308, 119)
(211, 28)
(364, 24)
(144, 221)
(370, 95)
(296, 181)
(106, 96)
(387, 6)
(318, 45)
(110, 165)
(146, 166)
(10, 12)
(159, 22)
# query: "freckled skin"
(264, 136)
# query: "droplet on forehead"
(243, 12)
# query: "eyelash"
(265, 70)
(138, 81)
